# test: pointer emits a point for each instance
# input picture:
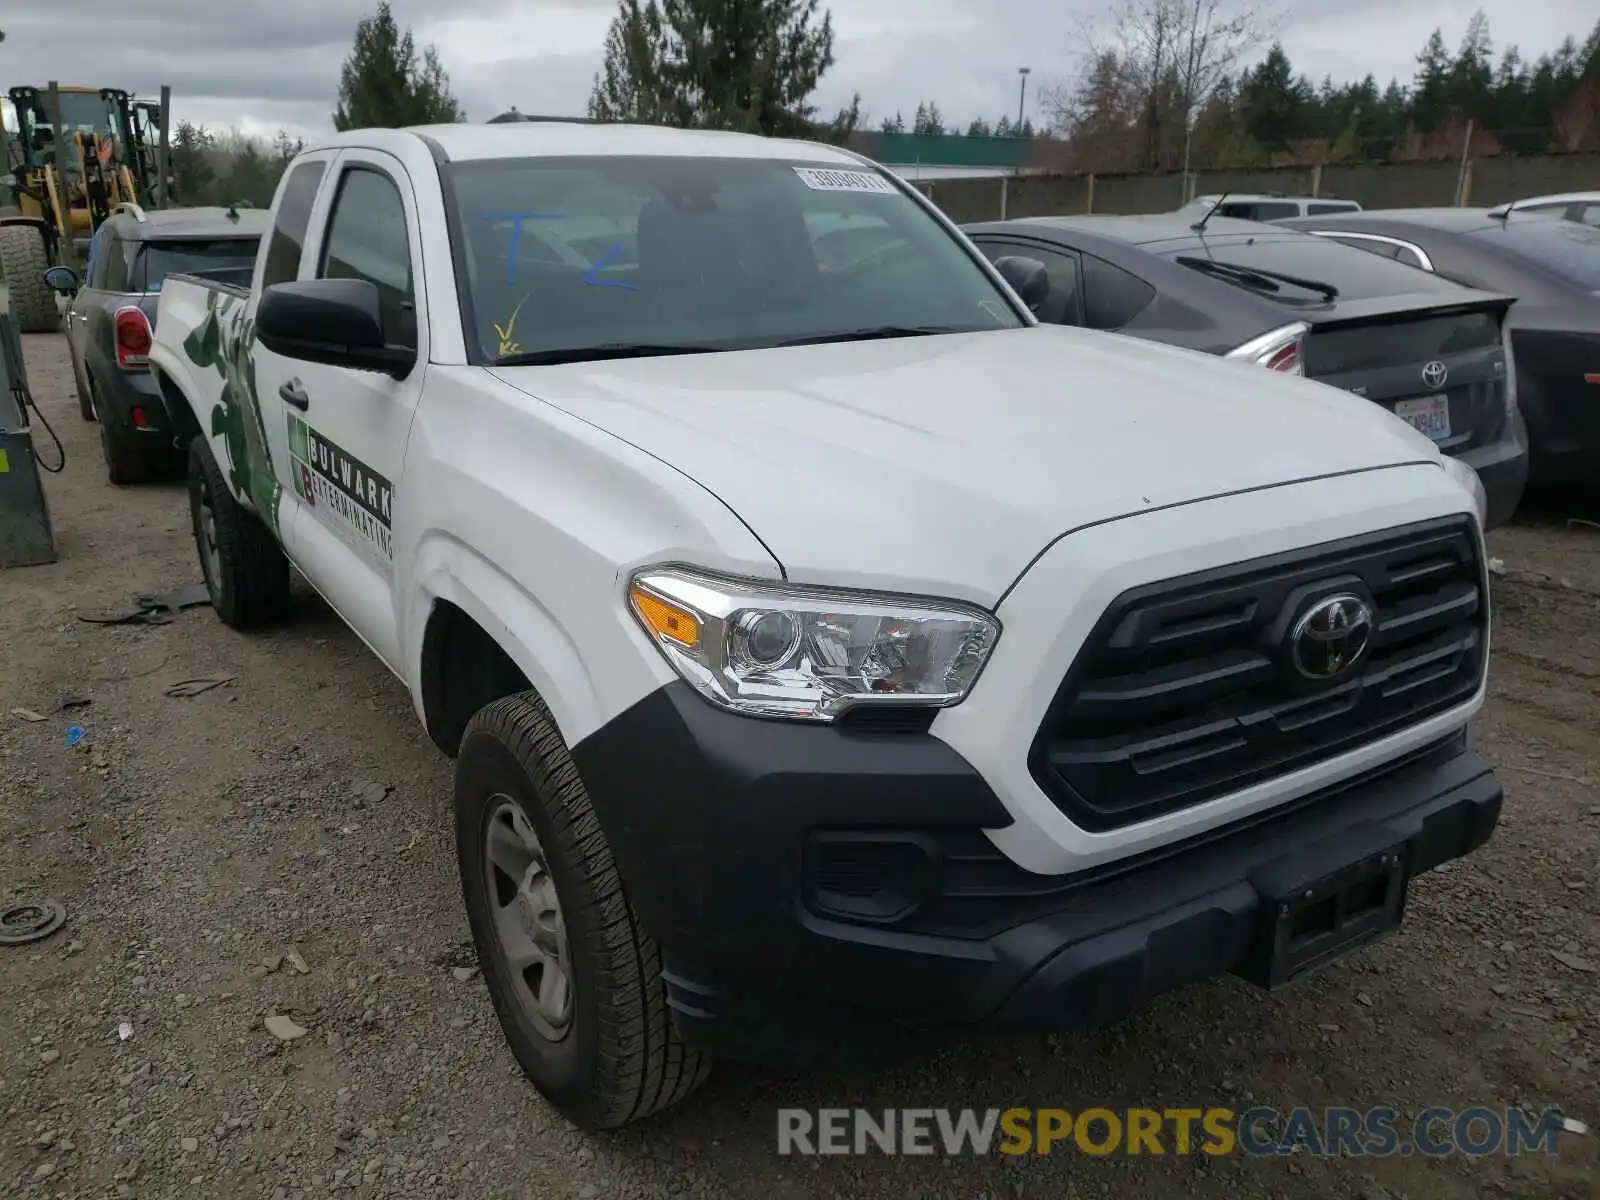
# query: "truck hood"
(947, 463)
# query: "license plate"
(1428, 414)
(1323, 919)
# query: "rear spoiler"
(1386, 310)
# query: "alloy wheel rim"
(210, 556)
(530, 931)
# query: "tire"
(125, 464)
(23, 263)
(86, 407)
(618, 1057)
(246, 572)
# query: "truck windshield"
(570, 258)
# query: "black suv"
(110, 319)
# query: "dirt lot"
(196, 840)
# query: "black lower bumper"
(1503, 470)
(820, 893)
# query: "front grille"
(1184, 690)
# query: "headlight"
(809, 654)
(1468, 479)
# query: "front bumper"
(822, 894)
(1503, 470)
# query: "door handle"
(292, 394)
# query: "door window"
(1111, 296)
(367, 240)
(289, 226)
(1260, 210)
(1062, 306)
(1381, 249)
(96, 255)
(113, 264)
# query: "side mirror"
(64, 280)
(336, 322)
(1029, 278)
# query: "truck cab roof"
(555, 139)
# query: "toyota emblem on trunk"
(1331, 636)
(1435, 373)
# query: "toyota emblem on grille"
(1434, 374)
(1331, 636)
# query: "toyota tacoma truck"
(834, 659)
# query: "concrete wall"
(1374, 185)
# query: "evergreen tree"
(385, 83)
(253, 176)
(1273, 102)
(720, 64)
(194, 180)
(929, 121)
(1430, 103)
(979, 128)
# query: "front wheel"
(247, 574)
(575, 982)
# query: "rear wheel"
(247, 574)
(85, 395)
(23, 262)
(125, 463)
(575, 981)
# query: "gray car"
(1431, 351)
(1552, 266)
(111, 312)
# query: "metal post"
(66, 248)
(1005, 187)
(1316, 180)
(1461, 174)
(1022, 97)
(1089, 204)
(163, 148)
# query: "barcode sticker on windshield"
(820, 180)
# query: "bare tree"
(1169, 57)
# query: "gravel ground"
(208, 847)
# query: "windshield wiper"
(1257, 277)
(871, 334)
(600, 353)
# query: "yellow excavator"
(66, 181)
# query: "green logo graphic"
(223, 341)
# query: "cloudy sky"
(262, 66)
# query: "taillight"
(133, 338)
(1280, 349)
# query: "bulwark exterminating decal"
(329, 477)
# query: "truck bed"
(201, 351)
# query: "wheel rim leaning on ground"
(530, 932)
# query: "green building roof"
(945, 150)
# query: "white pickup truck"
(835, 659)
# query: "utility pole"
(1022, 97)
(164, 150)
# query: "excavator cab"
(64, 187)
